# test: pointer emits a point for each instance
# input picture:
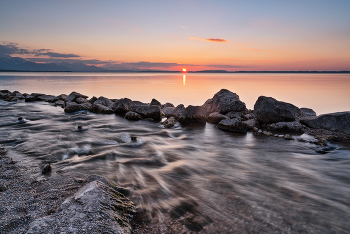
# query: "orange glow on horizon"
(184, 69)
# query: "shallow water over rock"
(194, 178)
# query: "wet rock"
(60, 103)
(132, 116)
(61, 97)
(133, 138)
(92, 100)
(281, 136)
(269, 110)
(168, 111)
(80, 127)
(19, 96)
(249, 116)
(74, 107)
(267, 133)
(193, 114)
(3, 151)
(138, 103)
(47, 168)
(45, 98)
(170, 122)
(29, 98)
(223, 102)
(178, 110)
(339, 121)
(5, 91)
(3, 95)
(155, 102)
(20, 118)
(288, 137)
(252, 124)
(286, 127)
(153, 112)
(305, 112)
(81, 100)
(97, 207)
(235, 115)
(233, 125)
(101, 109)
(168, 105)
(122, 105)
(260, 131)
(216, 117)
(255, 129)
(103, 101)
(36, 95)
(74, 95)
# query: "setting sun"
(184, 69)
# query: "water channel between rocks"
(219, 181)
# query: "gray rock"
(36, 95)
(45, 98)
(235, 115)
(74, 95)
(92, 100)
(122, 105)
(170, 122)
(168, 111)
(339, 121)
(216, 117)
(74, 107)
(46, 168)
(62, 97)
(269, 110)
(168, 105)
(29, 98)
(5, 91)
(138, 103)
(60, 103)
(178, 110)
(19, 96)
(223, 102)
(249, 116)
(97, 207)
(132, 116)
(81, 100)
(233, 125)
(305, 112)
(101, 109)
(153, 112)
(193, 114)
(251, 124)
(103, 101)
(286, 127)
(155, 102)
(288, 137)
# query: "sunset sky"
(168, 35)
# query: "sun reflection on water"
(184, 79)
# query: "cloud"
(209, 39)
(59, 60)
(11, 48)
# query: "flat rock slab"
(339, 122)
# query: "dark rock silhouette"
(339, 121)
(122, 105)
(216, 117)
(104, 101)
(193, 114)
(233, 125)
(307, 112)
(153, 112)
(132, 116)
(155, 102)
(74, 95)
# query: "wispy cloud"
(209, 39)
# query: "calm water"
(324, 93)
(193, 178)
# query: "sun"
(184, 69)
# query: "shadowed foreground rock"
(286, 127)
(339, 121)
(122, 105)
(193, 114)
(153, 112)
(223, 102)
(95, 208)
(269, 110)
(233, 125)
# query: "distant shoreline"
(204, 71)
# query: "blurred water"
(207, 180)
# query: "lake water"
(195, 178)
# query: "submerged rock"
(305, 112)
(46, 168)
(339, 121)
(223, 102)
(122, 105)
(286, 127)
(216, 117)
(155, 102)
(269, 110)
(288, 137)
(170, 122)
(193, 114)
(233, 125)
(152, 112)
(132, 116)
(74, 95)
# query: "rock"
(133, 138)
(168, 111)
(132, 116)
(170, 122)
(233, 125)
(235, 115)
(288, 137)
(62, 97)
(29, 98)
(178, 110)
(45, 98)
(103, 101)
(101, 109)
(216, 117)
(46, 168)
(122, 105)
(74, 95)
(138, 103)
(19, 96)
(80, 127)
(153, 112)
(74, 107)
(286, 127)
(249, 116)
(255, 129)
(168, 105)
(36, 95)
(60, 103)
(305, 112)
(93, 100)
(97, 207)
(5, 91)
(339, 121)
(223, 102)
(267, 133)
(193, 114)
(155, 102)
(260, 131)
(252, 124)
(81, 100)
(269, 110)
(281, 136)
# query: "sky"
(233, 35)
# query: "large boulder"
(101, 109)
(132, 116)
(81, 100)
(305, 112)
(103, 101)
(178, 110)
(97, 207)
(122, 105)
(168, 105)
(153, 112)
(269, 110)
(233, 125)
(61, 97)
(251, 124)
(170, 122)
(155, 102)
(46, 98)
(235, 115)
(168, 111)
(74, 95)
(193, 114)
(60, 103)
(339, 121)
(74, 107)
(138, 103)
(223, 102)
(92, 100)
(29, 98)
(216, 117)
(286, 127)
